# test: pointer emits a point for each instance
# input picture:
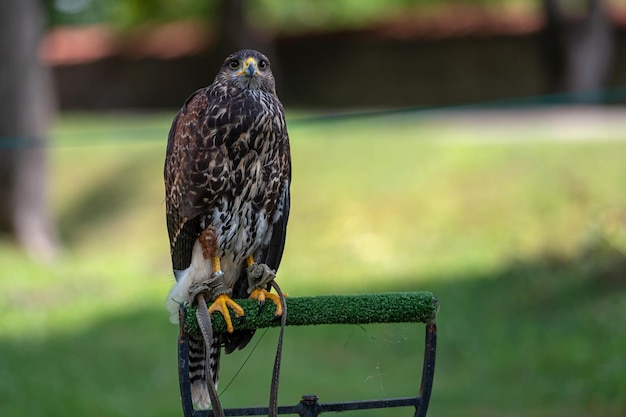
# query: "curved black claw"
(261, 295)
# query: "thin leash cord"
(273, 404)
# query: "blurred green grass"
(522, 240)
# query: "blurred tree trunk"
(579, 47)
(235, 33)
(26, 98)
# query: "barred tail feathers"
(203, 364)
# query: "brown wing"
(273, 252)
(195, 172)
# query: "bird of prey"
(227, 177)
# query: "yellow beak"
(249, 67)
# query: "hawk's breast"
(242, 215)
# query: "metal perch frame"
(406, 307)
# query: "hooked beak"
(249, 67)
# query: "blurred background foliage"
(297, 15)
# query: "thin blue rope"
(606, 96)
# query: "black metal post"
(308, 406)
(428, 369)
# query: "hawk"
(227, 176)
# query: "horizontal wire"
(149, 134)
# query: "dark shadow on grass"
(122, 365)
(541, 337)
(111, 195)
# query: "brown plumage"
(227, 176)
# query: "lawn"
(522, 238)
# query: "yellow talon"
(221, 304)
(261, 295)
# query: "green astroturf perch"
(404, 307)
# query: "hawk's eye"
(262, 64)
(234, 64)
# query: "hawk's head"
(247, 69)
